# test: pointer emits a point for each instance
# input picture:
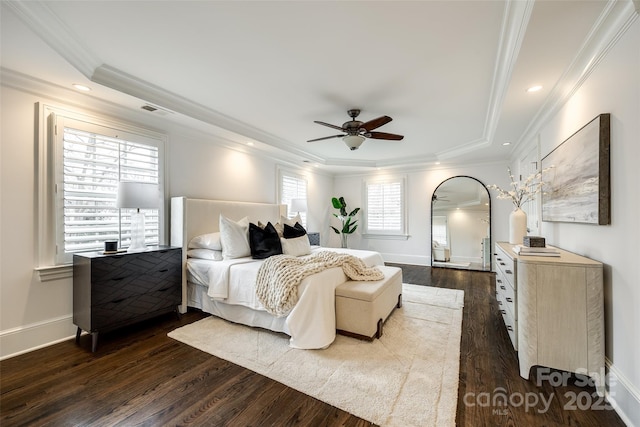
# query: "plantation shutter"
(92, 165)
(384, 207)
(293, 187)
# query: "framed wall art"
(577, 183)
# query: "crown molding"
(131, 85)
(513, 30)
(39, 17)
(613, 22)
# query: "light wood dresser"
(553, 309)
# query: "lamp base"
(137, 233)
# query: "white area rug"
(408, 377)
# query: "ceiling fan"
(435, 198)
(356, 131)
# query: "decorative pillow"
(291, 221)
(264, 242)
(209, 254)
(206, 241)
(296, 246)
(234, 237)
(296, 231)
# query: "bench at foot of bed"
(362, 307)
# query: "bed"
(225, 289)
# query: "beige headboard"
(193, 217)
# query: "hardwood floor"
(139, 376)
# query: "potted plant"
(348, 222)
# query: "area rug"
(408, 377)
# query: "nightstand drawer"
(115, 313)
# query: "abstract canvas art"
(577, 186)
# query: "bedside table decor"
(137, 195)
(111, 291)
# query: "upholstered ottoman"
(362, 307)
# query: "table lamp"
(137, 195)
(298, 205)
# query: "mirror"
(461, 225)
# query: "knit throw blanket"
(280, 275)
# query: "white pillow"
(234, 237)
(296, 246)
(292, 221)
(206, 241)
(208, 254)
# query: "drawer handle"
(116, 301)
(508, 271)
(116, 279)
(504, 289)
(503, 311)
(509, 299)
(502, 263)
(164, 270)
(499, 259)
(498, 280)
(499, 302)
(509, 327)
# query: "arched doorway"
(461, 224)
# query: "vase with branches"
(520, 193)
(347, 219)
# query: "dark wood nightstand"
(111, 291)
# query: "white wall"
(420, 186)
(614, 87)
(35, 313)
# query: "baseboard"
(24, 339)
(623, 396)
(407, 259)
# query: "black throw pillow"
(264, 242)
(293, 232)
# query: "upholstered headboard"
(193, 217)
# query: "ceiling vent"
(156, 109)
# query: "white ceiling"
(451, 74)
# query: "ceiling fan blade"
(326, 137)
(384, 135)
(328, 125)
(376, 123)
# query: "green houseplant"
(348, 222)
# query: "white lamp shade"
(298, 205)
(353, 141)
(137, 195)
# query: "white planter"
(517, 226)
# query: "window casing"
(385, 214)
(88, 157)
(293, 186)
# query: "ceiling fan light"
(353, 141)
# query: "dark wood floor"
(139, 376)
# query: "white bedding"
(311, 323)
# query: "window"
(293, 186)
(89, 161)
(439, 230)
(385, 208)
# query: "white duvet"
(311, 322)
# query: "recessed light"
(250, 144)
(534, 88)
(437, 163)
(80, 87)
(506, 143)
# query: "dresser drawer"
(122, 311)
(506, 265)
(510, 321)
